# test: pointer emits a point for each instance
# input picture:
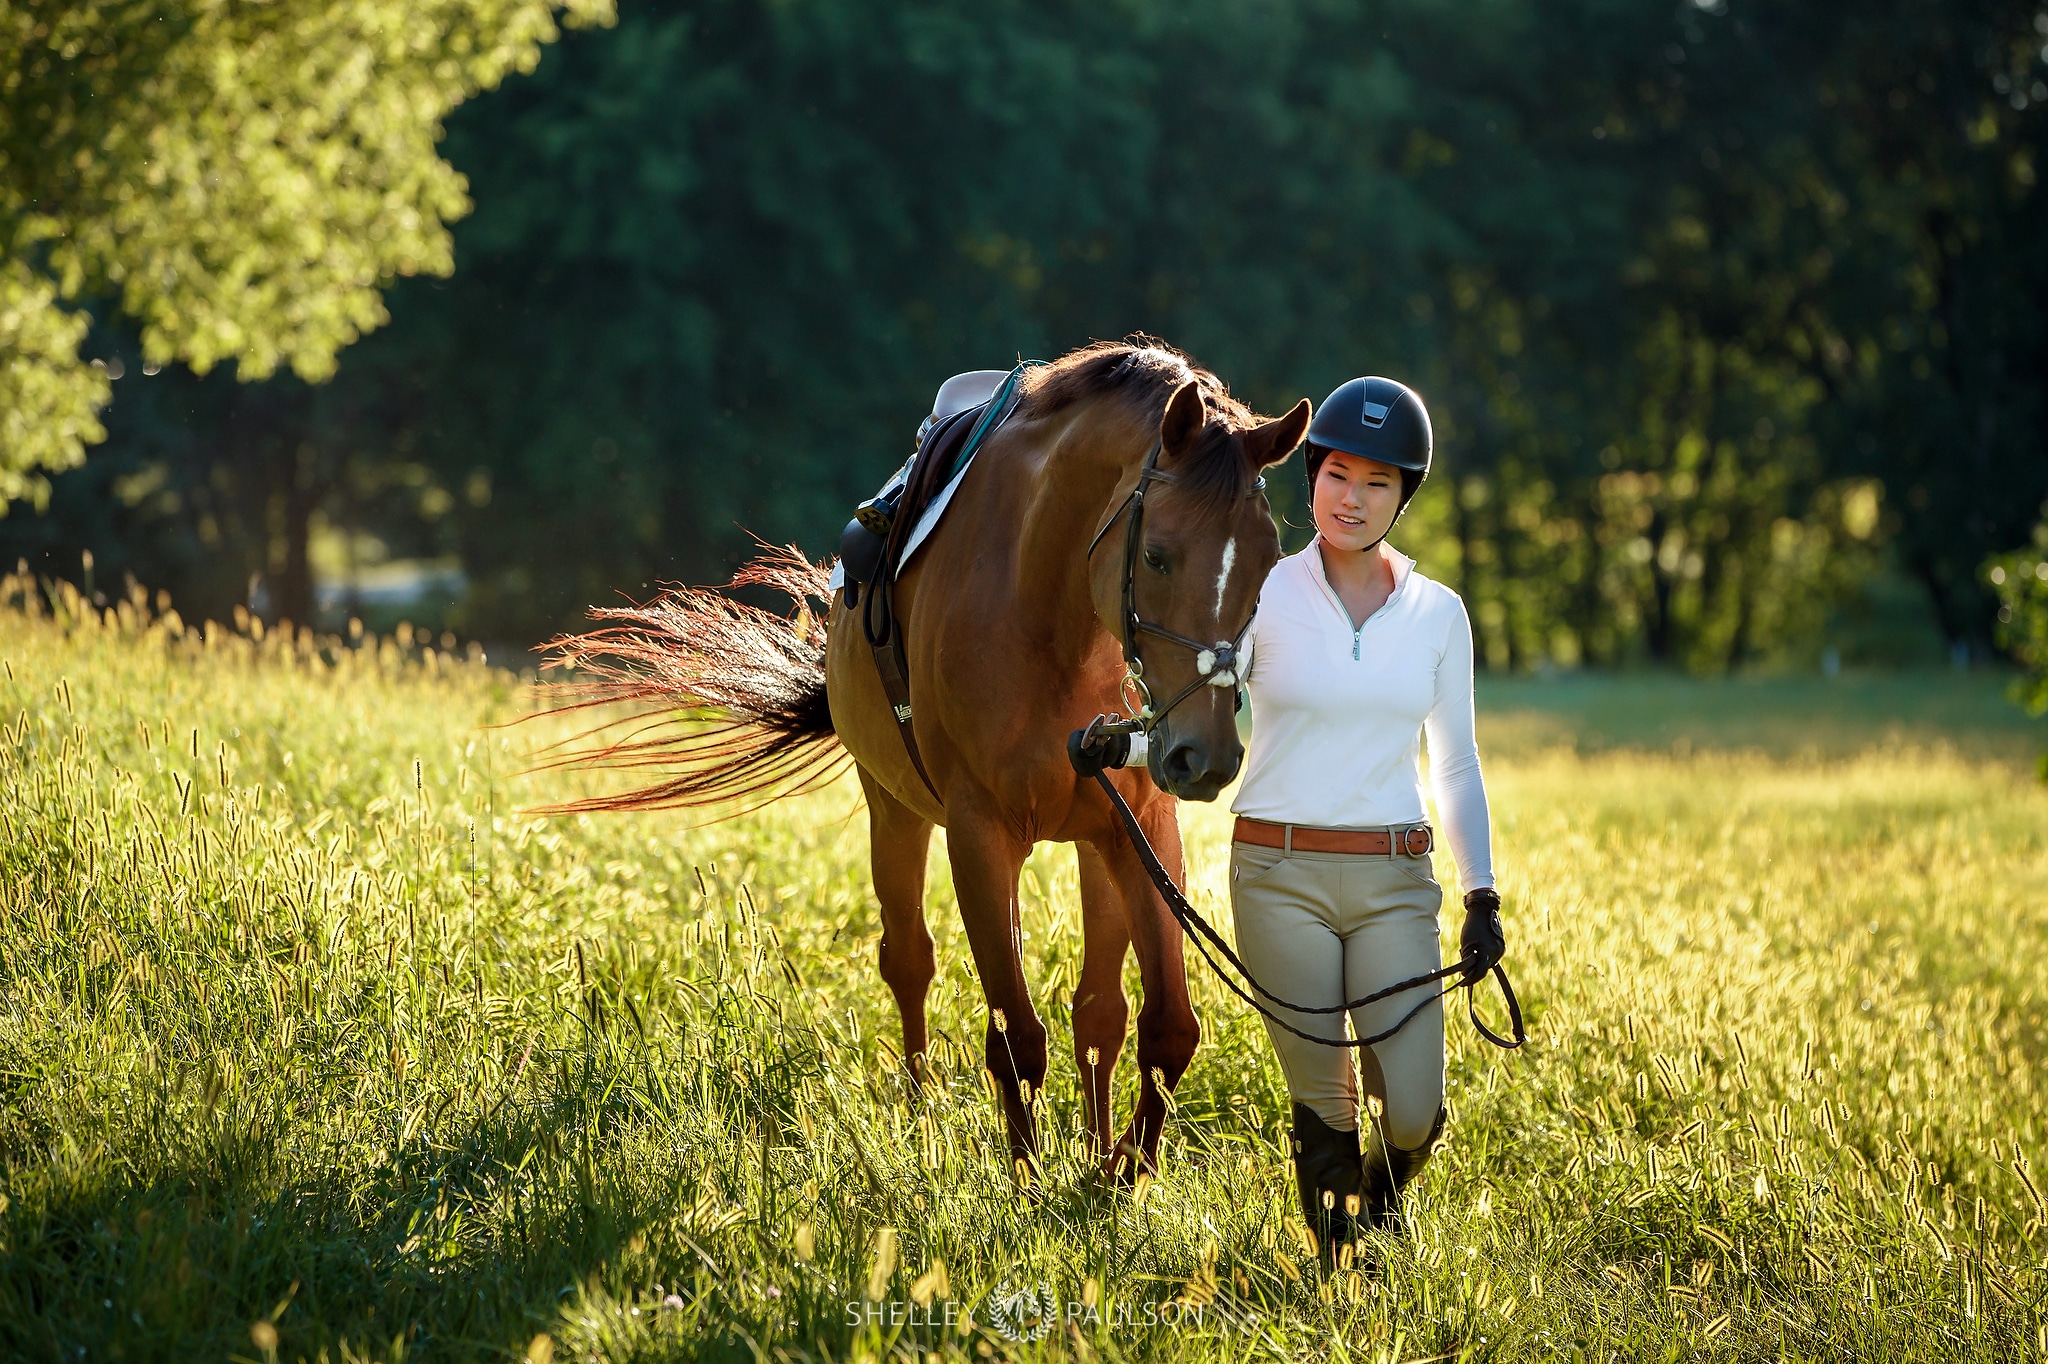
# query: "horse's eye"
(1155, 561)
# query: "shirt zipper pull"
(1354, 645)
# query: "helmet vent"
(1375, 413)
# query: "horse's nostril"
(1184, 762)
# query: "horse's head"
(1204, 543)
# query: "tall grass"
(313, 1046)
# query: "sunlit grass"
(1786, 715)
(306, 1029)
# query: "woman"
(1354, 654)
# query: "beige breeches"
(1320, 928)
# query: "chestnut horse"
(1012, 612)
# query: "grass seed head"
(931, 1284)
(881, 1264)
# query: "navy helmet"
(1377, 419)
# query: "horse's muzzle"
(1192, 769)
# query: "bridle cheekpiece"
(1216, 665)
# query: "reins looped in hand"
(1205, 937)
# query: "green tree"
(1717, 306)
(239, 180)
(2021, 581)
(1929, 130)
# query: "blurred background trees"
(224, 182)
(1730, 315)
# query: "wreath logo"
(1022, 1314)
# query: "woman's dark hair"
(1411, 479)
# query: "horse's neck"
(1075, 484)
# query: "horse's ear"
(1184, 419)
(1275, 441)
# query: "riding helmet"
(1377, 419)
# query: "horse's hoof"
(1120, 1169)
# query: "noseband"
(1216, 665)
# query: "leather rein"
(1217, 666)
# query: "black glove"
(1091, 754)
(1483, 942)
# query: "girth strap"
(892, 662)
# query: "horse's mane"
(1144, 372)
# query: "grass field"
(313, 1046)
(1792, 717)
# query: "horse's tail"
(727, 697)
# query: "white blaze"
(1223, 577)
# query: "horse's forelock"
(1214, 474)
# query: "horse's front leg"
(1167, 1031)
(1101, 1013)
(987, 852)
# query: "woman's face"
(1355, 500)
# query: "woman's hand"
(1091, 751)
(1483, 942)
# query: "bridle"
(1216, 665)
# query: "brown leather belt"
(1260, 833)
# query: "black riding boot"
(1330, 1175)
(1389, 1169)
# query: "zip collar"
(1403, 567)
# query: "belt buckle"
(1405, 841)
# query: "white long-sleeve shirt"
(1338, 713)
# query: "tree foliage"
(1718, 308)
(240, 180)
(2021, 581)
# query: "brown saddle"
(872, 546)
(930, 472)
(936, 462)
